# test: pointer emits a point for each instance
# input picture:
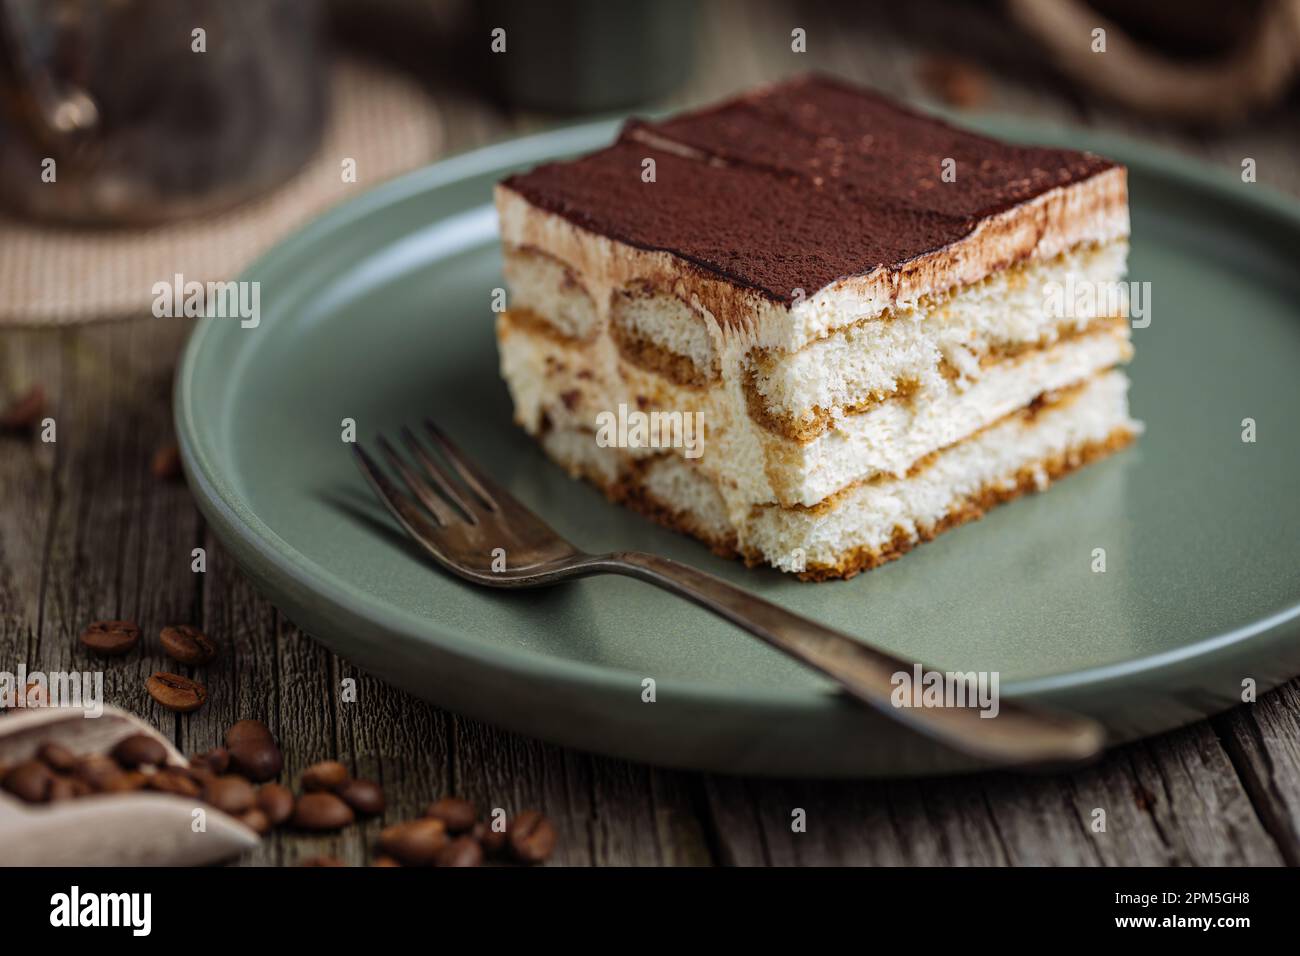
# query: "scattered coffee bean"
(321, 811)
(216, 760)
(110, 638)
(176, 781)
(166, 463)
(175, 692)
(188, 645)
(230, 794)
(325, 775)
(462, 851)
(321, 861)
(364, 796)
(253, 751)
(29, 781)
(276, 801)
(56, 757)
(24, 412)
(256, 820)
(459, 815)
(414, 842)
(532, 837)
(449, 835)
(494, 842)
(139, 750)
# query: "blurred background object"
(560, 56)
(1200, 61)
(380, 124)
(574, 56)
(151, 110)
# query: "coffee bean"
(24, 412)
(493, 841)
(253, 751)
(101, 773)
(459, 815)
(256, 820)
(61, 788)
(176, 781)
(56, 757)
(532, 837)
(188, 645)
(139, 750)
(384, 860)
(175, 692)
(29, 781)
(166, 463)
(230, 794)
(276, 801)
(200, 774)
(462, 851)
(414, 842)
(325, 775)
(321, 861)
(110, 638)
(321, 811)
(216, 760)
(364, 796)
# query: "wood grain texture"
(86, 532)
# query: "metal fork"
(461, 517)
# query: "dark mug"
(141, 111)
(578, 56)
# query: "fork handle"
(1018, 734)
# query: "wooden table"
(87, 533)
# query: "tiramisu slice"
(873, 317)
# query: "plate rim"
(248, 537)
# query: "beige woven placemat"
(56, 276)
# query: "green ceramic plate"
(380, 312)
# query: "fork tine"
(406, 511)
(427, 496)
(476, 480)
(435, 471)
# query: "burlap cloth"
(56, 276)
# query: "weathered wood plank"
(1174, 800)
(1263, 740)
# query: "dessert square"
(848, 297)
